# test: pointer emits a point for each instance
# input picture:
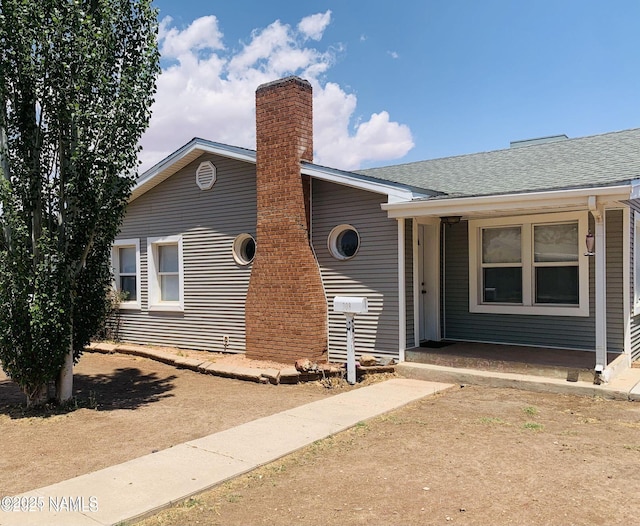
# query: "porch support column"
(402, 295)
(601, 286)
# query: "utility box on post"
(350, 306)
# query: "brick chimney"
(286, 308)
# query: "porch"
(565, 364)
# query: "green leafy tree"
(77, 79)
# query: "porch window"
(166, 290)
(529, 265)
(555, 249)
(502, 265)
(125, 261)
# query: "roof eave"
(181, 158)
(512, 203)
(395, 192)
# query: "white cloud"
(207, 91)
(313, 26)
(393, 54)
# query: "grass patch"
(533, 426)
(530, 410)
(632, 448)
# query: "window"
(529, 265)
(343, 242)
(166, 289)
(125, 260)
(244, 249)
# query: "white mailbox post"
(350, 306)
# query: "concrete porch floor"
(536, 361)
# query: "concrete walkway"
(625, 386)
(152, 482)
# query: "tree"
(77, 79)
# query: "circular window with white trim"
(244, 249)
(344, 242)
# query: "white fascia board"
(577, 198)
(183, 156)
(635, 189)
(394, 193)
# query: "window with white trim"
(529, 265)
(125, 260)
(636, 263)
(166, 277)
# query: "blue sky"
(400, 81)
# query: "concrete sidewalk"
(625, 386)
(152, 482)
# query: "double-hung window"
(529, 265)
(166, 289)
(125, 260)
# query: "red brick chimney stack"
(286, 308)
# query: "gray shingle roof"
(599, 160)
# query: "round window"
(344, 242)
(244, 249)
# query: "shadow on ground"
(125, 388)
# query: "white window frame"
(115, 264)
(636, 263)
(153, 279)
(528, 305)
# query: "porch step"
(505, 359)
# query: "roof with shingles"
(599, 160)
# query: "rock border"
(286, 375)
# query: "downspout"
(597, 211)
(402, 294)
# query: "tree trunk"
(64, 383)
(37, 397)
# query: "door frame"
(426, 277)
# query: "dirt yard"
(469, 456)
(126, 407)
(472, 455)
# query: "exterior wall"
(408, 281)
(545, 331)
(372, 272)
(215, 286)
(286, 310)
(615, 237)
(634, 322)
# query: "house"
(228, 249)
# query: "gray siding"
(551, 331)
(634, 322)
(460, 324)
(615, 238)
(373, 272)
(408, 287)
(215, 286)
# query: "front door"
(429, 281)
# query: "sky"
(398, 81)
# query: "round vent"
(206, 175)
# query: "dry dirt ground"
(471, 455)
(126, 407)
